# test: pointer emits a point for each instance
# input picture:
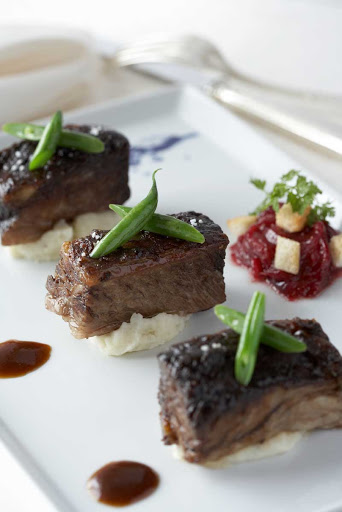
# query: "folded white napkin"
(43, 70)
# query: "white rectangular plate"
(82, 410)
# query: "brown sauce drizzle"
(17, 358)
(122, 483)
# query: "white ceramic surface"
(292, 43)
(44, 69)
(82, 410)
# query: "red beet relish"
(256, 249)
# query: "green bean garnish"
(81, 141)
(130, 225)
(48, 142)
(68, 139)
(271, 336)
(165, 225)
(24, 130)
(248, 346)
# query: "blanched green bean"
(247, 351)
(68, 139)
(165, 225)
(24, 130)
(130, 225)
(271, 336)
(48, 142)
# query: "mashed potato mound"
(85, 223)
(48, 246)
(278, 445)
(141, 333)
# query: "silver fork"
(223, 82)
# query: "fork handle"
(221, 92)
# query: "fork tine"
(186, 49)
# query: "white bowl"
(43, 70)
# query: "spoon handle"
(243, 104)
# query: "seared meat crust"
(71, 183)
(149, 275)
(210, 415)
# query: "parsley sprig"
(296, 189)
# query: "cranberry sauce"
(256, 249)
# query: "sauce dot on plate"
(17, 358)
(122, 483)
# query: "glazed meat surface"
(151, 274)
(71, 183)
(210, 415)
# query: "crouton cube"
(291, 221)
(336, 250)
(239, 225)
(287, 255)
